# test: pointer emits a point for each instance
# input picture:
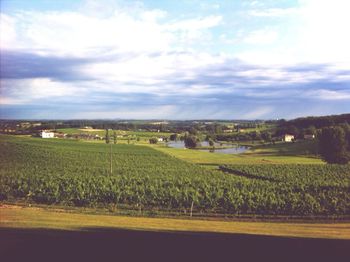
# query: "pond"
(232, 150)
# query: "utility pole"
(110, 152)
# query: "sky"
(183, 59)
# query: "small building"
(60, 135)
(46, 134)
(309, 137)
(288, 138)
(160, 123)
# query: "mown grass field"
(306, 148)
(268, 154)
(38, 218)
(75, 173)
(29, 234)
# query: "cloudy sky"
(183, 59)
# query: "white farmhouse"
(45, 134)
(288, 138)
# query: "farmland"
(145, 135)
(74, 173)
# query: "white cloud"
(141, 51)
(22, 91)
(261, 37)
(208, 6)
(315, 33)
(12, 101)
(323, 31)
(82, 33)
(195, 23)
(192, 31)
(150, 73)
(8, 31)
(131, 51)
(273, 12)
(325, 94)
(77, 34)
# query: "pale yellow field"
(91, 130)
(29, 217)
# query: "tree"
(218, 129)
(333, 145)
(210, 137)
(173, 137)
(193, 131)
(211, 142)
(293, 130)
(311, 130)
(114, 137)
(191, 141)
(107, 137)
(266, 136)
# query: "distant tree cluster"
(334, 144)
(320, 122)
(333, 133)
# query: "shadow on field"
(94, 244)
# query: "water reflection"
(231, 150)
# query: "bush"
(153, 140)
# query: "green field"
(102, 133)
(74, 173)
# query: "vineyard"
(78, 174)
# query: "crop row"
(302, 175)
